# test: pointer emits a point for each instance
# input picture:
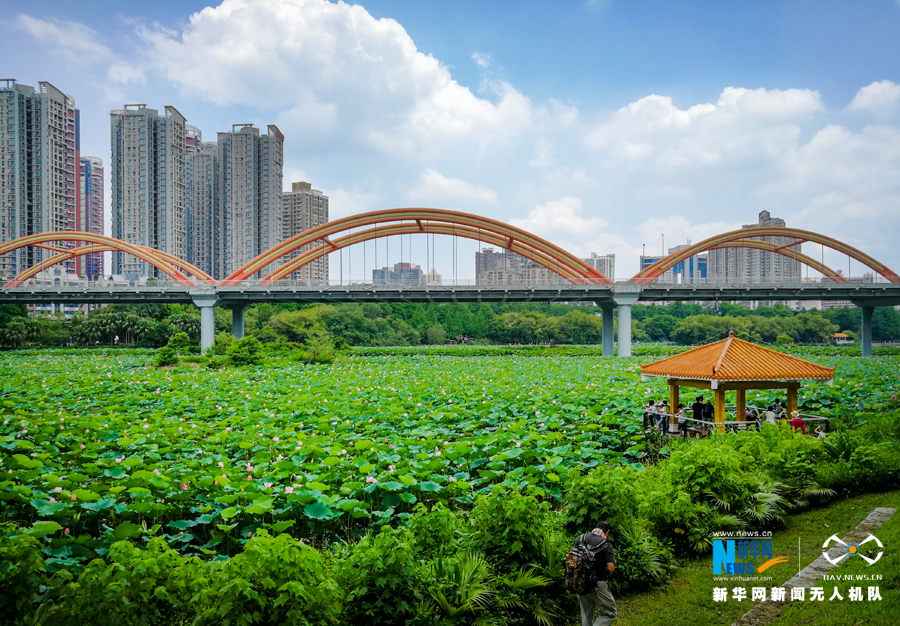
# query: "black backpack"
(581, 566)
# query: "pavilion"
(733, 364)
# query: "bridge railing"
(345, 283)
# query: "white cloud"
(560, 216)
(678, 230)
(881, 98)
(343, 202)
(435, 187)
(742, 125)
(482, 59)
(324, 62)
(74, 41)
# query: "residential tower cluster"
(213, 204)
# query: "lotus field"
(101, 446)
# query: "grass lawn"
(688, 601)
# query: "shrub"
(180, 342)
(508, 527)
(276, 580)
(869, 467)
(783, 340)
(216, 363)
(21, 565)
(244, 351)
(133, 587)
(378, 578)
(437, 531)
(642, 561)
(166, 356)
(222, 343)
(604, 494)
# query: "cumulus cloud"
(435, 187)
(565, 215)
(742, 125)
(313, 59)
(881, 98)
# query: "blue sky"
(598, 125)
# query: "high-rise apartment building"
(90, 266)
(403, 274)
(147, 181)
(205, 242)
(753, 265)
(305, 208)
(39, 177)
(251, 208)
(487, 260)
(605, 264)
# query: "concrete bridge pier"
(865, 330)
(237, 320)
(625, 295)
(207, 306)
(608, 335)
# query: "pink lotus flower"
(66, 531)
(371, 480)
(216, 482)
(221, 464)
(74, 497)
(249, 476)
(289, 490)
(52, 499)
(275, 439)
(81, 446)
(184, 485)
(267, 485)
(57, 489)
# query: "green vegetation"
(409, 324)
(422, 489)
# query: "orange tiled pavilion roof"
(734, 359)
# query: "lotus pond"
(99, 446)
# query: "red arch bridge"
(268, 276)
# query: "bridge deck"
(868, 294)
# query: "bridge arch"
(418, 220)
(160, 260)
(65, 255)
(743, 238)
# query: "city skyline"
(798, 115)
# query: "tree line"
(387, 324)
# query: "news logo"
(852, 549)
(736, 557)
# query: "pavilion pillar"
(792, 389)
(741, 405)
(674, 400)
(719, 394)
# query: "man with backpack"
(588, 566)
